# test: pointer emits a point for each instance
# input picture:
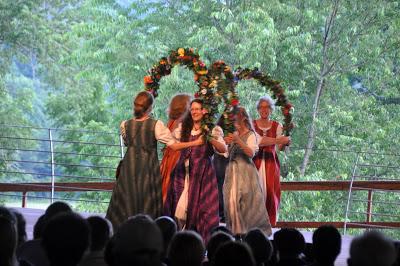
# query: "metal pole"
(349, 196)
(52, 165)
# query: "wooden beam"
(364, 224)
(286, 186)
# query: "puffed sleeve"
(279, 130)
(163, 134)
(122, 130)
(177, 132)
(252, 143)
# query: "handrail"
(285, 186)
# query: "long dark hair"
(187, 123)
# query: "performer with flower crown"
(193, 195)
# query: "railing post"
(52, 165)
(369, 206)
(350, 190)
(24, 199)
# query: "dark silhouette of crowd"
(62, 237)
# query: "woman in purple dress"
(193, 193)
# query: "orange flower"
(147, 80)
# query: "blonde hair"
(178, 106)
(242, 115)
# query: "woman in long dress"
(193, 193)
(138, 185)
(266, 159)
(178, 107)
(243, 197)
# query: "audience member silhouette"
(234, 254)
(65, 239)
(100, 233)
(32, 250)
(138, 241)
(216, 240)
(289, 243)
(326, 245)
(8, 237)
(221, 228)
(38, 227)
(56, 208)
(186, 248)
(168, 229)
(260, 245)
(21, 227)
(372, 249)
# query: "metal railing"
(71, 161)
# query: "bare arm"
(280, 140)
(183, 145)
(220, 147)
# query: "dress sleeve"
(218, 134)
(122, 130)
(279, 130)
(163, 134)
(252, 142)
(177, 132)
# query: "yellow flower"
(181, 52)
(202, 72)
(227, 69)
(213, 84)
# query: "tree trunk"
(324, 71)
(311, 132)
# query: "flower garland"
(223, 82)
(190, 59)
(217, 85)
(278, 93)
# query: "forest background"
(77, 64)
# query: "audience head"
(260, 245)
(186, 248)
(289, 242)
(138, 241)
(370, 249)
(168, 229)
(327, 243)
(56, 208)
(178, 106)
(100, 232)
(142, 104)
(21, 227)
(38, 227)
(8, 236)
(216, 240)
(221, 228)
(234, 254)
(65, 238)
